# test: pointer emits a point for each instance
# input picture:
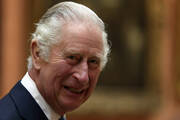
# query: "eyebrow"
(76, 52)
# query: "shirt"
(30, 85)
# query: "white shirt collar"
(30, 85)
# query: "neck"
(33, 74)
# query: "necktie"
(62, 118)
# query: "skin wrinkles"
(85, 40)
(70, 76)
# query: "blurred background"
(141, 80)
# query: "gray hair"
(48, 29)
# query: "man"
(69, 49)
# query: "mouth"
(74, 90)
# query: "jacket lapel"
(25, 103)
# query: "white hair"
(48, 30)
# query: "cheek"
(94, 77)
(54, 74)
(92, 83)
(61, 69)
(61, 72)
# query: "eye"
(73, 59)
(94, 63)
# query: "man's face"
(71, 73)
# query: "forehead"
(85, 38)
(87, 31)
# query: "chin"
(70, 106)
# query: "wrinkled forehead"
(81, 35)
(87, 31)
(88, 25)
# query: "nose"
(82, 74)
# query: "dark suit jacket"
(18, 104)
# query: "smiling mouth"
(73, 90)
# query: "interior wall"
(17, 21)
(15, 27)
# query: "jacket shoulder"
(8, 109)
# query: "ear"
(35, 55)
